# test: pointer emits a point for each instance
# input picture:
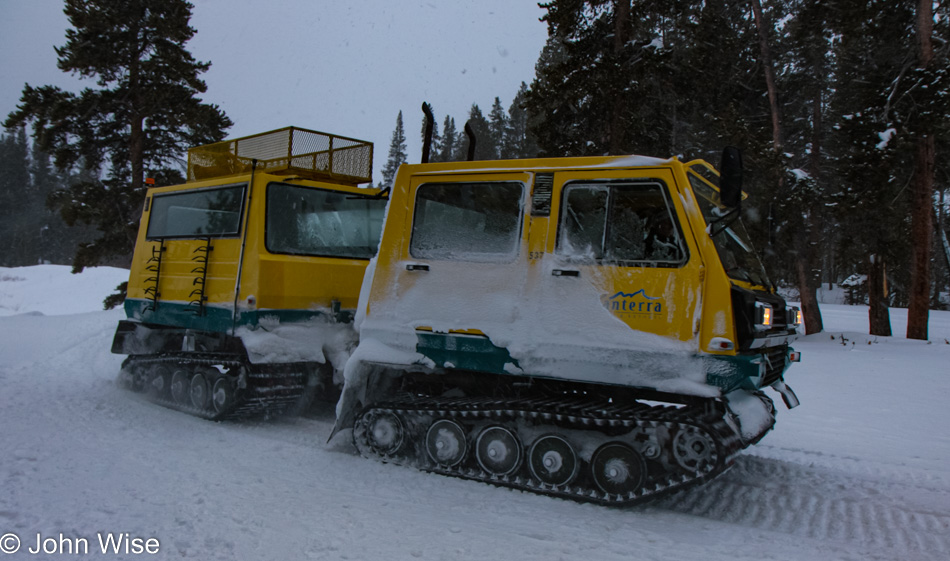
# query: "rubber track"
(265, 393)
(558, 414)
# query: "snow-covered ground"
(861, 470)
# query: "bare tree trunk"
(921, 232)
(921, 226)
(769, 74)
(808, 292)
(136, 138)
(808, 278)
(617, 144)
(878, 314)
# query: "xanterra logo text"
(635, 303)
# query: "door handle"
(416, 267)
(566, 273)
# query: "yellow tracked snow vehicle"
(591, 328)
(244, 279)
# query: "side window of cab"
(472, 221)
(625, 223)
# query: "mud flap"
(788, 396)
(754, 413)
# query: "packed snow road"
(860, 471)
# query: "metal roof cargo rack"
(287, 151)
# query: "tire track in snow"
(820, 503)
(938, 480)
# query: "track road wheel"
(222, 394)
(498, 451)
(139, 379)
(199, 391)
(445, 443)
(553, 461)
(179, 387)
(160, 382)
(618, 469)
(384, 432)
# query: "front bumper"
(753, 370)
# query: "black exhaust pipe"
(471, 141)
(427, 139)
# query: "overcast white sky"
(345, 66)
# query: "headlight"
(794, 316)
(763, 316)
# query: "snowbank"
(54, 290)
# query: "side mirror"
(730, 177)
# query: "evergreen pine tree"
(144, 115)
(15, 191)
(870, 146)
(14, 172)
(397, 153)
(927, 113)
(497, 130)
(57, 242)
(484, 147)
(449, 149)
(461, 145)
(519, 141)
(689, 66)
(941, 33)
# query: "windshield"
(729, 234)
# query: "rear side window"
(208, 213)
(478, 221)
(630, 223)
(320, 222)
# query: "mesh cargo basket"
(287, 151)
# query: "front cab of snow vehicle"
(240, 274)
(595, 328)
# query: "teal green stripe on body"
(465, 352)
(213, 318)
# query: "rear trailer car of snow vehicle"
(242, 274)
(597, 329)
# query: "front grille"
(775, 364)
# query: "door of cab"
(460, 266)
(625, 231)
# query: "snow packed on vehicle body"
(593, 328)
